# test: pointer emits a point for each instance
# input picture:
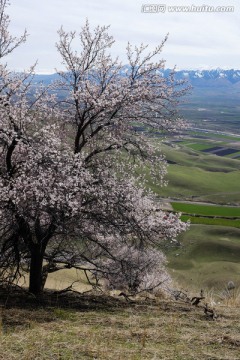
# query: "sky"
(197, 39)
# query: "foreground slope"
(100, 327)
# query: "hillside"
(99, 327)
(204, 168)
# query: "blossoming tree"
(72, 184)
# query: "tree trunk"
(36, 273)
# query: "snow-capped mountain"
(193, 76)
(231, 75)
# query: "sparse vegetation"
(207, 258)
(104, 328)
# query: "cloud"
(195, 38)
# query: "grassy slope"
(202, 176)
(62, 279)
(104, 329)
(147, 329)
(208, 258)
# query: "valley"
(204, 185)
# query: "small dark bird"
(196, 300)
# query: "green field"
(210, 251)
(198, 146)
(211, 221)
(207, 258)
(208, 214)
(193, 175)
(208, 210)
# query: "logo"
(153, 8)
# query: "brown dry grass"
(92, 326)
(62, 279)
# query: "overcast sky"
(196, 40)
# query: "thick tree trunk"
(36, 267)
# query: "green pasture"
(183, 156)
(194, 175)
(198, 146)
(207, 258)
(211, 221)
(194, 183)
(207, 210)
(210, 250)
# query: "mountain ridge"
(193, 76)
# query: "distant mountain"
(45, 78)
(214, 101)
(198, 76)
(194, 76)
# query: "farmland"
(207, 210)
(208, 214)
(204, 187)
(199, 176)
(211, 221)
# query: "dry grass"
(62, 279)
(100, 327)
